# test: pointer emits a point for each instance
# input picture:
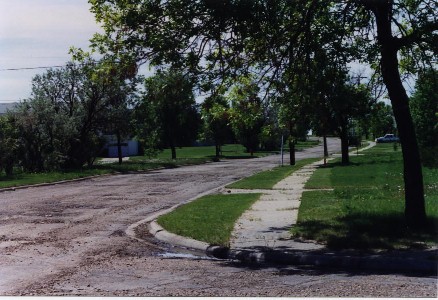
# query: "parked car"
(388, 138)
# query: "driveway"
(68, 239)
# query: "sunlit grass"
(267, 179)
(210, 219)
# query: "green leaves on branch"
(167, 115)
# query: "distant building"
(129, 147)
(4, 107)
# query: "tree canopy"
(169, 101)
(61, 124)
(221, 40)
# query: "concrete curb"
(372, 262)
(320, 259)
(166, 236)
(174, 239)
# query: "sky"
(39, 33)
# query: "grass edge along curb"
(267, 179)
(210, 218)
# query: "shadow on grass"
(369, 231)
(238, 156)
(357, 163)
(261, 154)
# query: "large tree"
(381, 119)
(169, 97)
(407, 29)
(247, 114)
(225, 38)
(61, 124)
(216, 117)
(340, 104)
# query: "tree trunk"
(9, 168)
(324, 138)
(173, 149)
(344, 146)
(415, 211)
(218, 149)
(292, 151)
(292, 132)
(119, 147)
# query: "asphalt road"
(69, 239)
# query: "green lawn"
(267, 179)
(23, 178)
(366, 208)
(210, 218)
(300, 145)
(228, 151)
(208, 152)
(20, 178)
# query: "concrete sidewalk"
(267, 223)
(262, 235)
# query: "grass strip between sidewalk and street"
(365, 210)
(210, 218)
(267, 179)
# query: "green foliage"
(339, 104)
(424, 107)
(61, 125)
(167, 115)
(219, 41)
(366, 209)
(44, 135)
(8, 144)
(143, 124)
(215, 113)
(246, 113)
(210, 219)
(381, 119)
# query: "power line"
(31, 68)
